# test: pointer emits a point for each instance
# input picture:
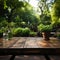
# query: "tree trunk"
(46, 35)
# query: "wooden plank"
(20, 43)
(8, 43)
(54, 57)
(31, 43)
(7, 57)
(36, 42)
(52, 43)
(30, 57)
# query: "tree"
(17, 11)
(44, 6)
(26, 14)
(7, 8)
(55, 13)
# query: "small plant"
(17, 31)
(25, 32)
(45, 28)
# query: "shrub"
(45, 28)
(33, 34)
(16, 31)
(21, 32)
(25, 32)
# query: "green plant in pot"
(45, 29)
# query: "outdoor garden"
(18, 18)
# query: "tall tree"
(55, 13)
(44, 6)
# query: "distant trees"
(19, 12)
(55, 13)
(44, 6)
(7, 8)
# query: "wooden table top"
(29, 45)
(30, 42)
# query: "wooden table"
(30, 45)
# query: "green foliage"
(21, 32)
(4, 29)
(45, 28)
(44, 6)
(17, 31)
(14, 3)
(23, 24)
(12, 24)
(18, 12)
(26, 31)
(55, 12)
(23, 15)
(4, 23)
(8, 7)
(32, 34)
(10, 35)
(45, 19)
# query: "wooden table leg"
(47, 57)
(12, 57)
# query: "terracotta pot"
(46, 35)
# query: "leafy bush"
(4, 23)
(33, 34)
(25, 32)
(21, 32)
(16, 31)
(45, 28)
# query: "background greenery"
(22, 20)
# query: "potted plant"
(45, 29)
